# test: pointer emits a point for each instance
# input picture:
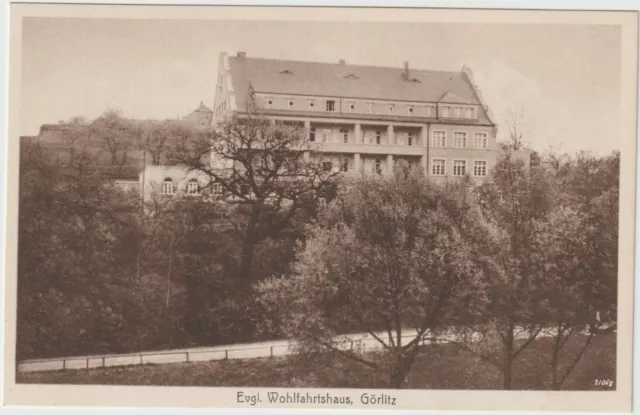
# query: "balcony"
(363, 148)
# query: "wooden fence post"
(103, 365)
(87, 363)
(271, 351)
(64, 364)
(226, 354)
(187, 353)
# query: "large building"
(364, 119)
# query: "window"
(327, 165)
(481, 140)
(438, 167)
(460, 140)
(377, 166)
(459, 167)
(193, 188)
(409, 139)
(430, 111)
(457, 112)
(344, 166)
(311, 104)
(439, 139)
(312, 134)
(290, 103)
(168, 187)
(444, 112)
(217, 189)
(326, 135)
(331, 105)
(378, 137)
(345, 135)
(479, 168)
(469, 113)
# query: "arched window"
(168, 188)
(193, 188)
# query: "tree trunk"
(507, 368)
(401, 369)
(555, 352)
(399, 372)
(506, 372)
(169, 271)
(248, 245)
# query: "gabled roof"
(348, 81)
(451, 98)
(203, 108)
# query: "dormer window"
(470, 113)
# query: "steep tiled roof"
(347, 81)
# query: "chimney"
(241, 54)
(405, 74)
(343, 62)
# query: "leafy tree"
(388, 254)
(510, 201)
(560, 252)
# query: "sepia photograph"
(321, 207)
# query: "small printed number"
(603, 382)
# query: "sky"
(562, 80)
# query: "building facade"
(364, 118)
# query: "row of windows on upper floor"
(439, 110)
(438, 166)
(438, 138)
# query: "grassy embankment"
(438, 367)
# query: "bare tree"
(115, 135)
(270, 168)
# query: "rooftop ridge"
(342, 65)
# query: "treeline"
(308, 255)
